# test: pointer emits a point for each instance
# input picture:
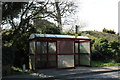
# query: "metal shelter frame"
(62, 43)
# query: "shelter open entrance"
(59, 51)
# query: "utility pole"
(76, 29)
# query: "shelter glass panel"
(32, 47)
(41, 47)
(51, 47)
(76, 48)
(66, 47)
(41, 61)
(65, 61)
(85, 59)
(52, 60)
(32, 62)
(77, 59)
(85, 47)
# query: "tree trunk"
(59, 21)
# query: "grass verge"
(19, 71)
(103, 64)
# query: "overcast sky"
(98, 14)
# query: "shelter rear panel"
(65, 61)
(66, 47)
(52, 61)
(41, 61)
(66, 51)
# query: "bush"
(115, 49)
(100, 50)
(108, 31)
(8, 55)
(104, 50)
(7, 59)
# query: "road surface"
(112, 75)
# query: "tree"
(11, 10)
(20, 30)
(59, 10)
(26, 12)
(45, 27)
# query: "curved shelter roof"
(32, 36)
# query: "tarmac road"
(98, 76)
(84, 73)
(109, 75)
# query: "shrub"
(104, 50)
(115, 49)
(8, 55)
(108, 31)
(7, 59)
(101, 51)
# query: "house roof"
(32, 36)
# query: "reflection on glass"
(32, 62)
(65, 61)
(41, 47)
(77, 59)
(76, 47)
(32, 47)
(84, 59)
(66, 47)
(52, 60)
(85, 47)
(41, 61)
(52, 47)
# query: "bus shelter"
(59, 51)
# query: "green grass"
(19, 71)
(9, 71)
(103, 64)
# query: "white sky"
(98, 14)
